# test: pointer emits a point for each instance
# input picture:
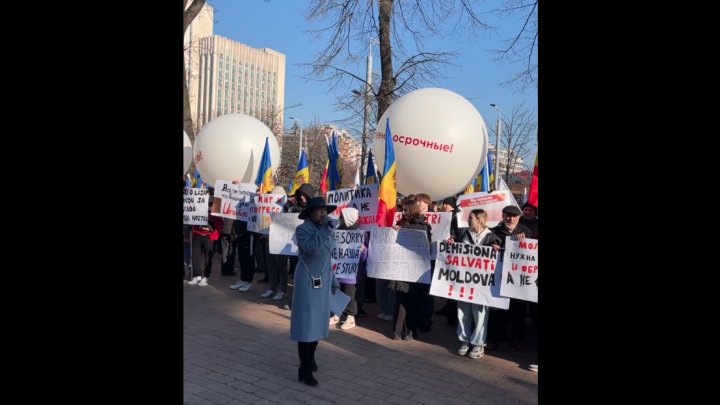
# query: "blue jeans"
(472, 323)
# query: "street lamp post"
(300, 143)
(365, 135)
(497, 148)
(366, 100)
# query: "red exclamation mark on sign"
(472, 291)
(451, 147)
(462, 291)
(450, 292)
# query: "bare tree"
(352, 22)
(188, 16)
(522, 47)
(315, 146)
(519, 132)
(314, 143)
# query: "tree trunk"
(387, 84)
(189, 15)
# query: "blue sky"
(280, 25)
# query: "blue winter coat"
(309, 319)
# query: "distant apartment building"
(225, 76)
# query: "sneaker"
(381, 316)
(533, 367)
(286, 307)
(267, 294)
(464, 347)
(246, 287)
(387, 317)
(195, 280)
(349, 323)
(279, 296)
(334, 319)
(476, 352)
(203, 282)
(238, 285)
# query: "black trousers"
(360, 286)
(352, 307)
(500, 318)
(202, 254)
(261, 248)
(306, 352)
(278, 274)
(407, 311)
(229, 244)
(247, 267)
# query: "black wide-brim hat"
(316, 202)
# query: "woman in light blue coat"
(314, 279)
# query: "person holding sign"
(202, 245)
(314, 280)
(427, 303)
(409, 296)
(473, 318)
(515, 315)
(348, 220)
(450, 309)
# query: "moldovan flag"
(388, 187)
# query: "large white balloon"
(230, 147)
(440, 142)
(187, 152)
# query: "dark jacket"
(532, 224)
(502, 231)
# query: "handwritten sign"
(402, 255)
(520, 269)
(470, 273)
(345, 253)
(363, 198)
(195, 206)
(261, 211)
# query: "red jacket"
(214, 223)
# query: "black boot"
(305, 350)
(306, 376)
(314, 367)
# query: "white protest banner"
(439, 222)
(492, 203)
(465, 272)
(282, 234)
(402, 255)
(520, 269)
(235, 199)
(345, 254)
(195, 206)
(262, 209)
(363, 198)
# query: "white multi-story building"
(225, 76)
(502, 164)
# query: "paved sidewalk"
(237, 350)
